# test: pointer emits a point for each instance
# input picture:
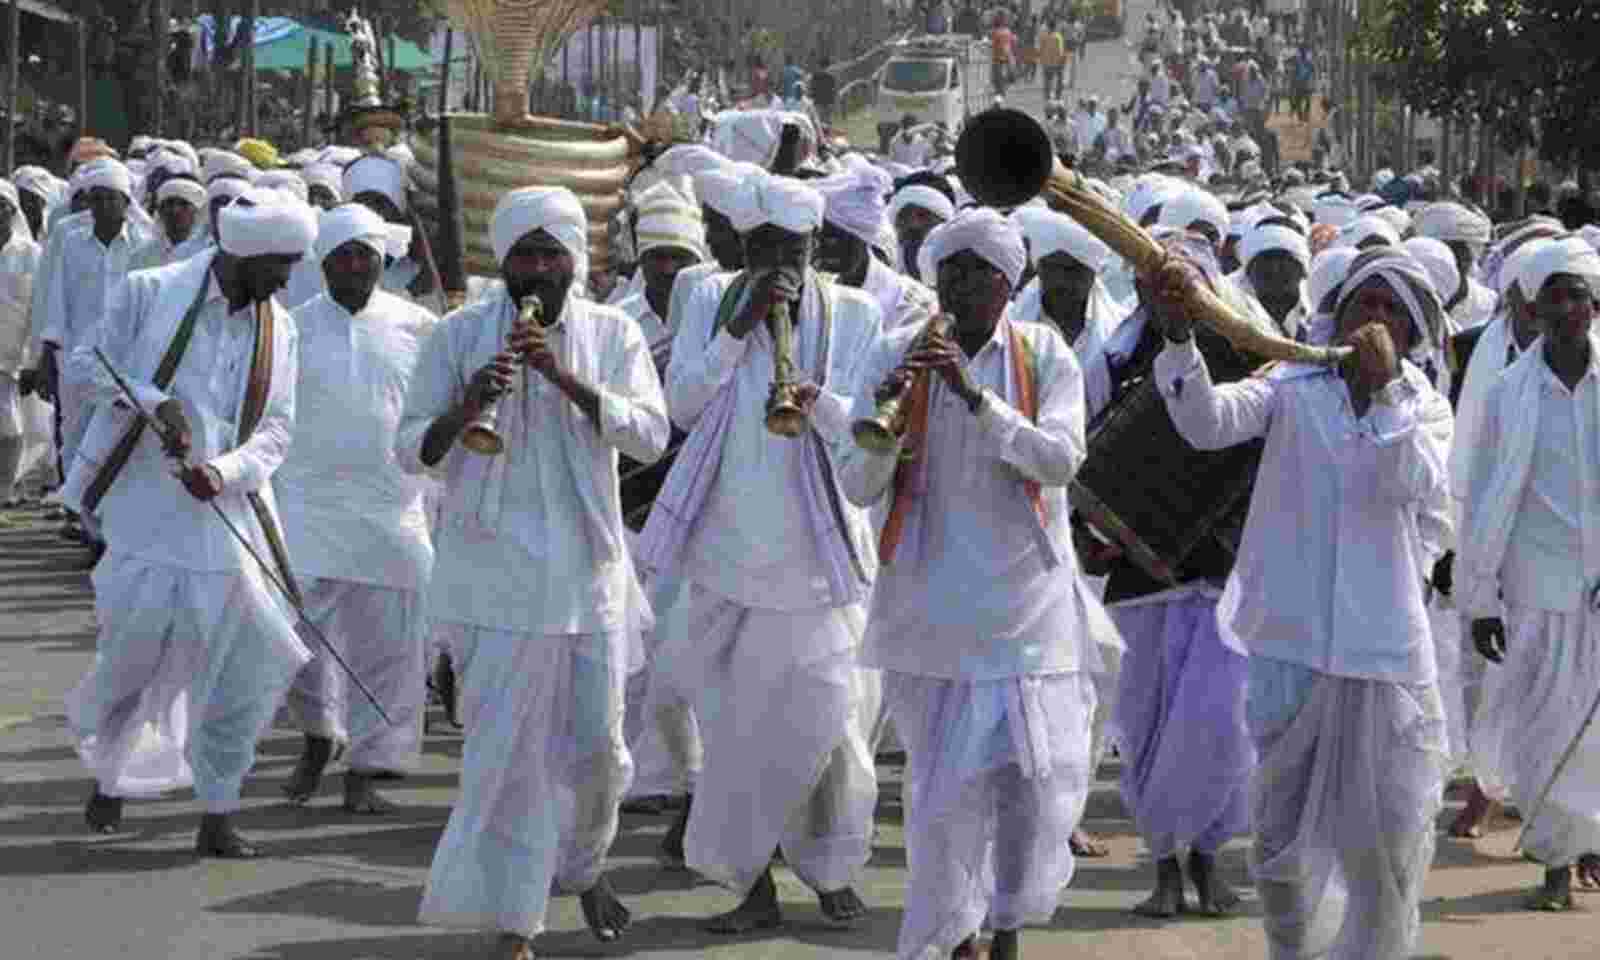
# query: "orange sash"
(1025, 378)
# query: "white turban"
(10, 193)
(1394, 217)
(781, 201)
(267, 222)
(284, 180)
(1149, 191)
(227, 186)
(555, 210)
(1050, 232)
(924, 196)
(352, 221)
(1453, 222)
(1510, 273)
(184, 189)
(339, 156)
(324, 175)
(223, 163)
(1265, 239)
(1364, 228)
(1440, 263)
(1335, 210)
(749, 136)
(688, 159)
(1328, 270)
(1567, 254)
(1591, 235)
(983, 231)
(172, 164)
(105, 172)
(718, 187)
(378, 173)
(855, 199)
(668, 216)
(1190, 205)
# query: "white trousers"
(997, 778)
(662, 733)
(190, 668)
(380, 633)
(778, 698)
(1350, 779)
(1533, 706)
(542, 772)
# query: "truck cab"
(934, 81)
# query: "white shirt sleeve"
(1050, 449)
(1208, 416)
(700, 363)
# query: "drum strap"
(1025, 377)
(254, 407)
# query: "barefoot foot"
(842, 908)
(603, 912)
(759, 911)
(1216, 896)
(1167, 900)
(361, 795)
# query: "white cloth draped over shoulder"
(902, 301)
(531, 540)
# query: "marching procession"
(1013, 451)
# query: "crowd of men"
(304, 484)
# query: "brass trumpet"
(1005, 158)
(480, 435)
(785, 416)
(880, 432)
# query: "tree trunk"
(82, 57)
(8, 152)
(161, 17)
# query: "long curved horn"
(1005, 159)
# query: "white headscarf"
(983, 231)
(1569, 254)
(1364, 228)
(855, 198)
(718, 187)
(1328, 270)
(39, 181)
(107, 172)
(1394, 217)
(1334, 209)
(324, 175)
(924, 196)
(1411, 283)
(784, 202)
(267, 222)
(555, 210)
(667, 215)
(1440, 263)
(749, 136)
(350, 221)
(1511, 270)
(224, 163)
(377, 172)
(284, 180)
(19, 223)
(1190, 205)
(227, 186)
(1050, 232)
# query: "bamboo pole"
(13, 54)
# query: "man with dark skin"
(377, 202)
(33, 208)
(110, 210)
(177, 219)
(1277, 279)
(1064, 288)
(321, 196)
(1563, 312)
(726, 246)
(464, 886)
(912, 224)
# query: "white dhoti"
(189, 671)
(997, 777)
(380, 633)
(1460, 674)
(11, 434)
(542, 771)
(662, 734)
(778, 698)
(1533, 705)
(1350, 779)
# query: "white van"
(934, 80)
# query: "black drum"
(641, 482)
(1168, 505)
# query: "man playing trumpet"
(776, 565)
(984, 630)
(532, 582)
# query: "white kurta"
(769, 657)
(355, 525)
(1535, 541)
(534, 593)
(987, 640)
(20, 447)
(902, 301)
(195, 649)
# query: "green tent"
(289, 53)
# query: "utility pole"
(13, 76)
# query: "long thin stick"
(1561, 766)
(266, 569)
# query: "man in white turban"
(180, 208)
(1275, 259)
(92, 258)
(1467, 233)
(1528, 577)
(776, 581)
(918, 205)
(1350, 502)
(852, 221)
(353, 521)
(39, 192)
(379, 180)
(986, 633)
(19, 257)
(324, 185)
(211, 356)
(533, 585)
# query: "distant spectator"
(1053, 57)
(824, 90)
(1002, 54)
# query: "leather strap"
(165, 371)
